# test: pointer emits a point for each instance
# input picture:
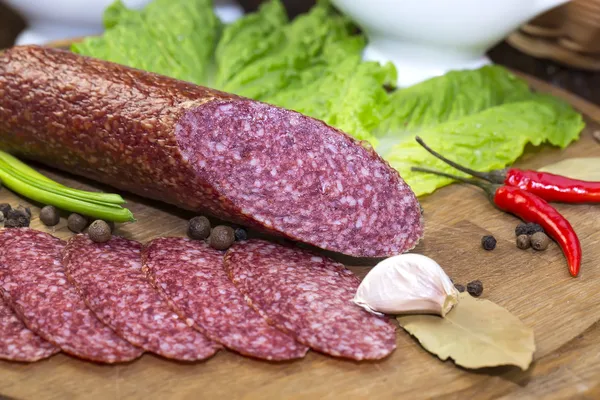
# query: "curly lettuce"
(176, 38)
(481, 118)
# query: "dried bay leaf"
(584, 168)
(477, 333)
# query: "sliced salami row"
(18, 343)
(177, 298)
(309, 297)
(191, 275)
(110, 279)
(34, 285)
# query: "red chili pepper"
(549, 187)
(531, 208)
(553, 187)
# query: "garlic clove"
(407, 284)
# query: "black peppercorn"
(488, 242)
(25, 210)
(475, 288)
(17, 218)
(222, 237)
(459, 287)
(521, 229)
(241, 234)
(534, 228)
(199, 228)
(528, 229)
(5, 208)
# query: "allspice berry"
(222, 237)
(99, 231)
(523, 242)
(49, 216)
(76, 223)
(540, 241)
(198, 228)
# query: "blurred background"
(561, 46)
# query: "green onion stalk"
(29, 183)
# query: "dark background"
(583, 83)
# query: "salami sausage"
(191, 275)
(310, 297)
(17, 343)
(34, 285)
(110, 279)
(240, 160)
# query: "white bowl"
(49, 20)
(427, 38)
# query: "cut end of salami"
(301, 178)
(204, 150)
(17, 343)
(309, 297)
(34, 285)
(110, 279)
(190, 274)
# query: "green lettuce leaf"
(482, 118)
(311, 65)
(490, 139)
(169, 37)
(445, 98)
(347, 95)
(248, 40)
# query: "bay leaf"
(477, 333)
(584, 168)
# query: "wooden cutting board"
(534, 285)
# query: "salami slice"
(191, 276)
(240, 160)
(109, 277)
(34, 285)
(310, 297)
(17, 343)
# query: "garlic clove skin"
(407, 284)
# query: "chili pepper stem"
(493, 176)
(488, 187)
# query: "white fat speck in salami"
(191, 275)
(310, 297)
(34, 285)
(110, 279)
(17, 343)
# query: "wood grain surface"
(533, 285)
